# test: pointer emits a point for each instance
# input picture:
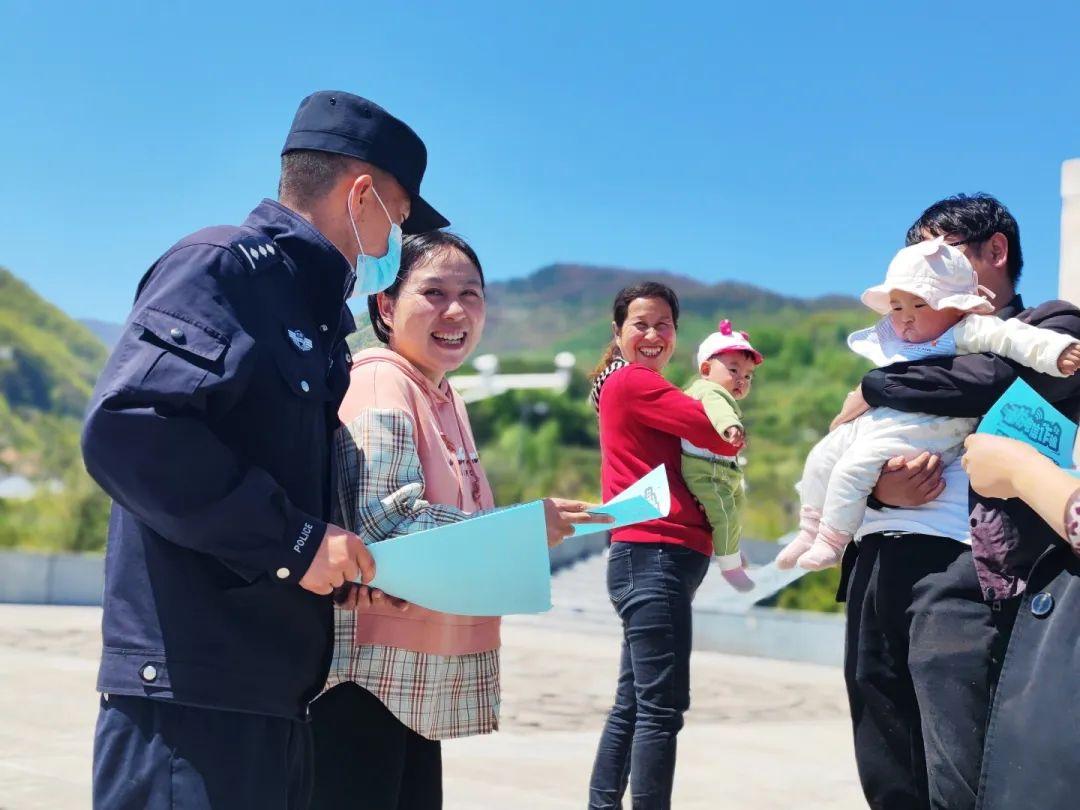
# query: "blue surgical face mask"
(375, 273)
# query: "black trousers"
(160, 755)
(367, 759)
(923, 652)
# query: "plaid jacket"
(380, 482)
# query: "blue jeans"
(651, 586)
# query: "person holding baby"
(654, 568)
(937, 575)
(934, 306)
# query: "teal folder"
(1022, 413)
(492, 565)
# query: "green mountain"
(568, 306)
(48, 364)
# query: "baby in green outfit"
(726, 361)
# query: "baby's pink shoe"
(827, 550)
(809, 519)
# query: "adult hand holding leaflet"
(648, 498)
(497, 564)
(1021, 413)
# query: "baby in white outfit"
(930, 296)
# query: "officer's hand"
(341, 558)
(354, 596)
(561, 516)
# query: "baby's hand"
(1069, 361)
(735, 435)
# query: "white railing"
(487, 382)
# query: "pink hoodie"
(383, 379)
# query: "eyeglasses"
(971, 240)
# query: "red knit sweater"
(642, 419)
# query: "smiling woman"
(401, 681)
(433, 315)
(654, 568)
(406, 461)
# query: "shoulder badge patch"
(300, 340)
(259, 252)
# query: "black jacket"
(1007, 536)
(210, 428)
(1032, 751)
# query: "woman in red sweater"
(654, 568)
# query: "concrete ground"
(760, 734)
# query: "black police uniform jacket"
(1032, 751)
(210, 428)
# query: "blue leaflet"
(491, 565)
(647, 499)
(1021, 413)
(496, 564)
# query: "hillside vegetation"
(48, 364)
(568, 306)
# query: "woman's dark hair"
(414, 251)
(621, 306)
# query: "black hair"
(973, 218)
(307, 175)
(414, 251)
(621, 306)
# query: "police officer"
(210, 428)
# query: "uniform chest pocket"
(303, 371)
(175, 351)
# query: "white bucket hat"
(726, 340)
(936, 272)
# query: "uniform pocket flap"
(182, 334)
(303, 374)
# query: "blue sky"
(787, 145)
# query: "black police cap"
(332, 121)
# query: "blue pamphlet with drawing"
(491, 565)
(1021, 413)
(496, 564)
(647, 499)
